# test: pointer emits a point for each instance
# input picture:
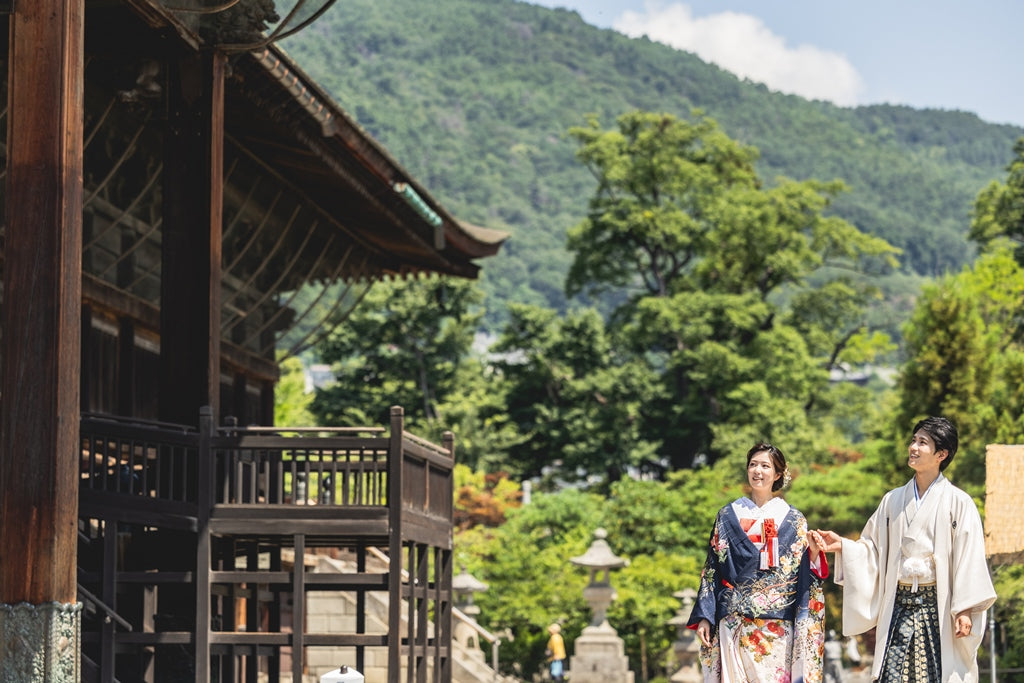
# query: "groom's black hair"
(943, 433)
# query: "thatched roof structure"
(1004, 501)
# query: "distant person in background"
(833, 658)
(918, 572)
(853, 652)
(760, 611)
(556, 653)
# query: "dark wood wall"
(120, 375)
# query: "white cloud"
(742, 44)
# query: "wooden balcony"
(174, 521)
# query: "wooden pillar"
(190, 289)
(40, 619)
(191, 265)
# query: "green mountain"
(474, 98)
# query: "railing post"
(204, 505)
(445, 569)
(395, 546)
(298, 607)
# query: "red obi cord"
(770, 549)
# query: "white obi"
(918, 568)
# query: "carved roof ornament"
(246, 25)
(246, 21)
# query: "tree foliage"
(410, 344)
(999, 209)
(1009, 614)
(483, 499)
(574, 396)
(291, 401)
(402, 346)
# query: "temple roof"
(314, 209)
(276, 110)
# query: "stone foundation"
(40, 643)
(599, 657)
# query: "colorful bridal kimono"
(935, 545)
(759, 588)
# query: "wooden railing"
(267, 466)
(259, 487)
(149, 459)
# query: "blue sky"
(942, 54)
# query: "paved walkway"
(861, 676)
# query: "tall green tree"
(744, 296)
(575, 395)
(966, 360)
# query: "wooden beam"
(42, 304)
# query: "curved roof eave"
(468, 241)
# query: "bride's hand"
(814, 544)
(704, 632)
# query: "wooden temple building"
(182, 206)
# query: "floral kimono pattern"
(770, 616)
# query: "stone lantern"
(464, 586)
(599, 656)
(686, 646)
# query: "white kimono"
(899, 535)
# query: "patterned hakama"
(912, 655)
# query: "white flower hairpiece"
(787, 478)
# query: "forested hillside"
(475, 97)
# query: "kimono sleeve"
(971, 584)
(706, 605)
(860, 570)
